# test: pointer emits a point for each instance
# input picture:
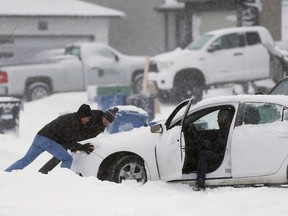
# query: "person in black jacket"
(97, 125)
(62, 133)
(213, 151)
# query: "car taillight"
(3, 77)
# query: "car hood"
(178, 52)
(135, 59)
(124, 141)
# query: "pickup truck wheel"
(138, 84)
(37, 91)
(188, 85)
(163, 96)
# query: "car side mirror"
(156, 128)
(214, 47)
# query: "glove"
(87, 148)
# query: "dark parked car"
(281, 88)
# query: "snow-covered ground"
(63, 193)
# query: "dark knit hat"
(110, 114)
(84, 111)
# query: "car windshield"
(199, 43)
(281, 88)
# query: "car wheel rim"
(39, 93)
(132, 171)
(138, 85)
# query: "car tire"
(188, 84)
(138, 84)
(164, 96)
(37, 91)
(127, 167)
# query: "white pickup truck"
(232, 55)
(79, 65)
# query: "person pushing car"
(99, 121)
(59, 135)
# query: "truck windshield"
(199, 43)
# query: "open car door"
(170, 150)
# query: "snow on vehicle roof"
(235, 29)
(9, 99)
(55, 8)
(264, 33)
(278, 99)
(130, 108)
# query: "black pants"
(206, 157)
(50, 165)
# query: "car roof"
(277, 99)
(236, 29)
(263, 32)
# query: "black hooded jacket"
(67, 129)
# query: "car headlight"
(165, 64)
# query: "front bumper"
(86, 165)
(162, 79)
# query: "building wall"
(212, 20)
(270, 17)
(141, 32)
(21, 38)
(285, 21)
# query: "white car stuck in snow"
(256, 149)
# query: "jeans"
(39, 145)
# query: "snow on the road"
(29, 193)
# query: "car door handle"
(238, 54)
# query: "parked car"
(256, 150)
(80, 65)
(224, 56)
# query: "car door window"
(285, 114)
(205, 120)
(252, 38)
(261, 113)
(230, 41)
(106, 53)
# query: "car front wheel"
(128, 167)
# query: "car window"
(199, 43)
(285, 114)
(230, 41)
(261, 113)
(206, 119)
(106, 53)
(207, 122)
(177, 118)
(252, 38)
